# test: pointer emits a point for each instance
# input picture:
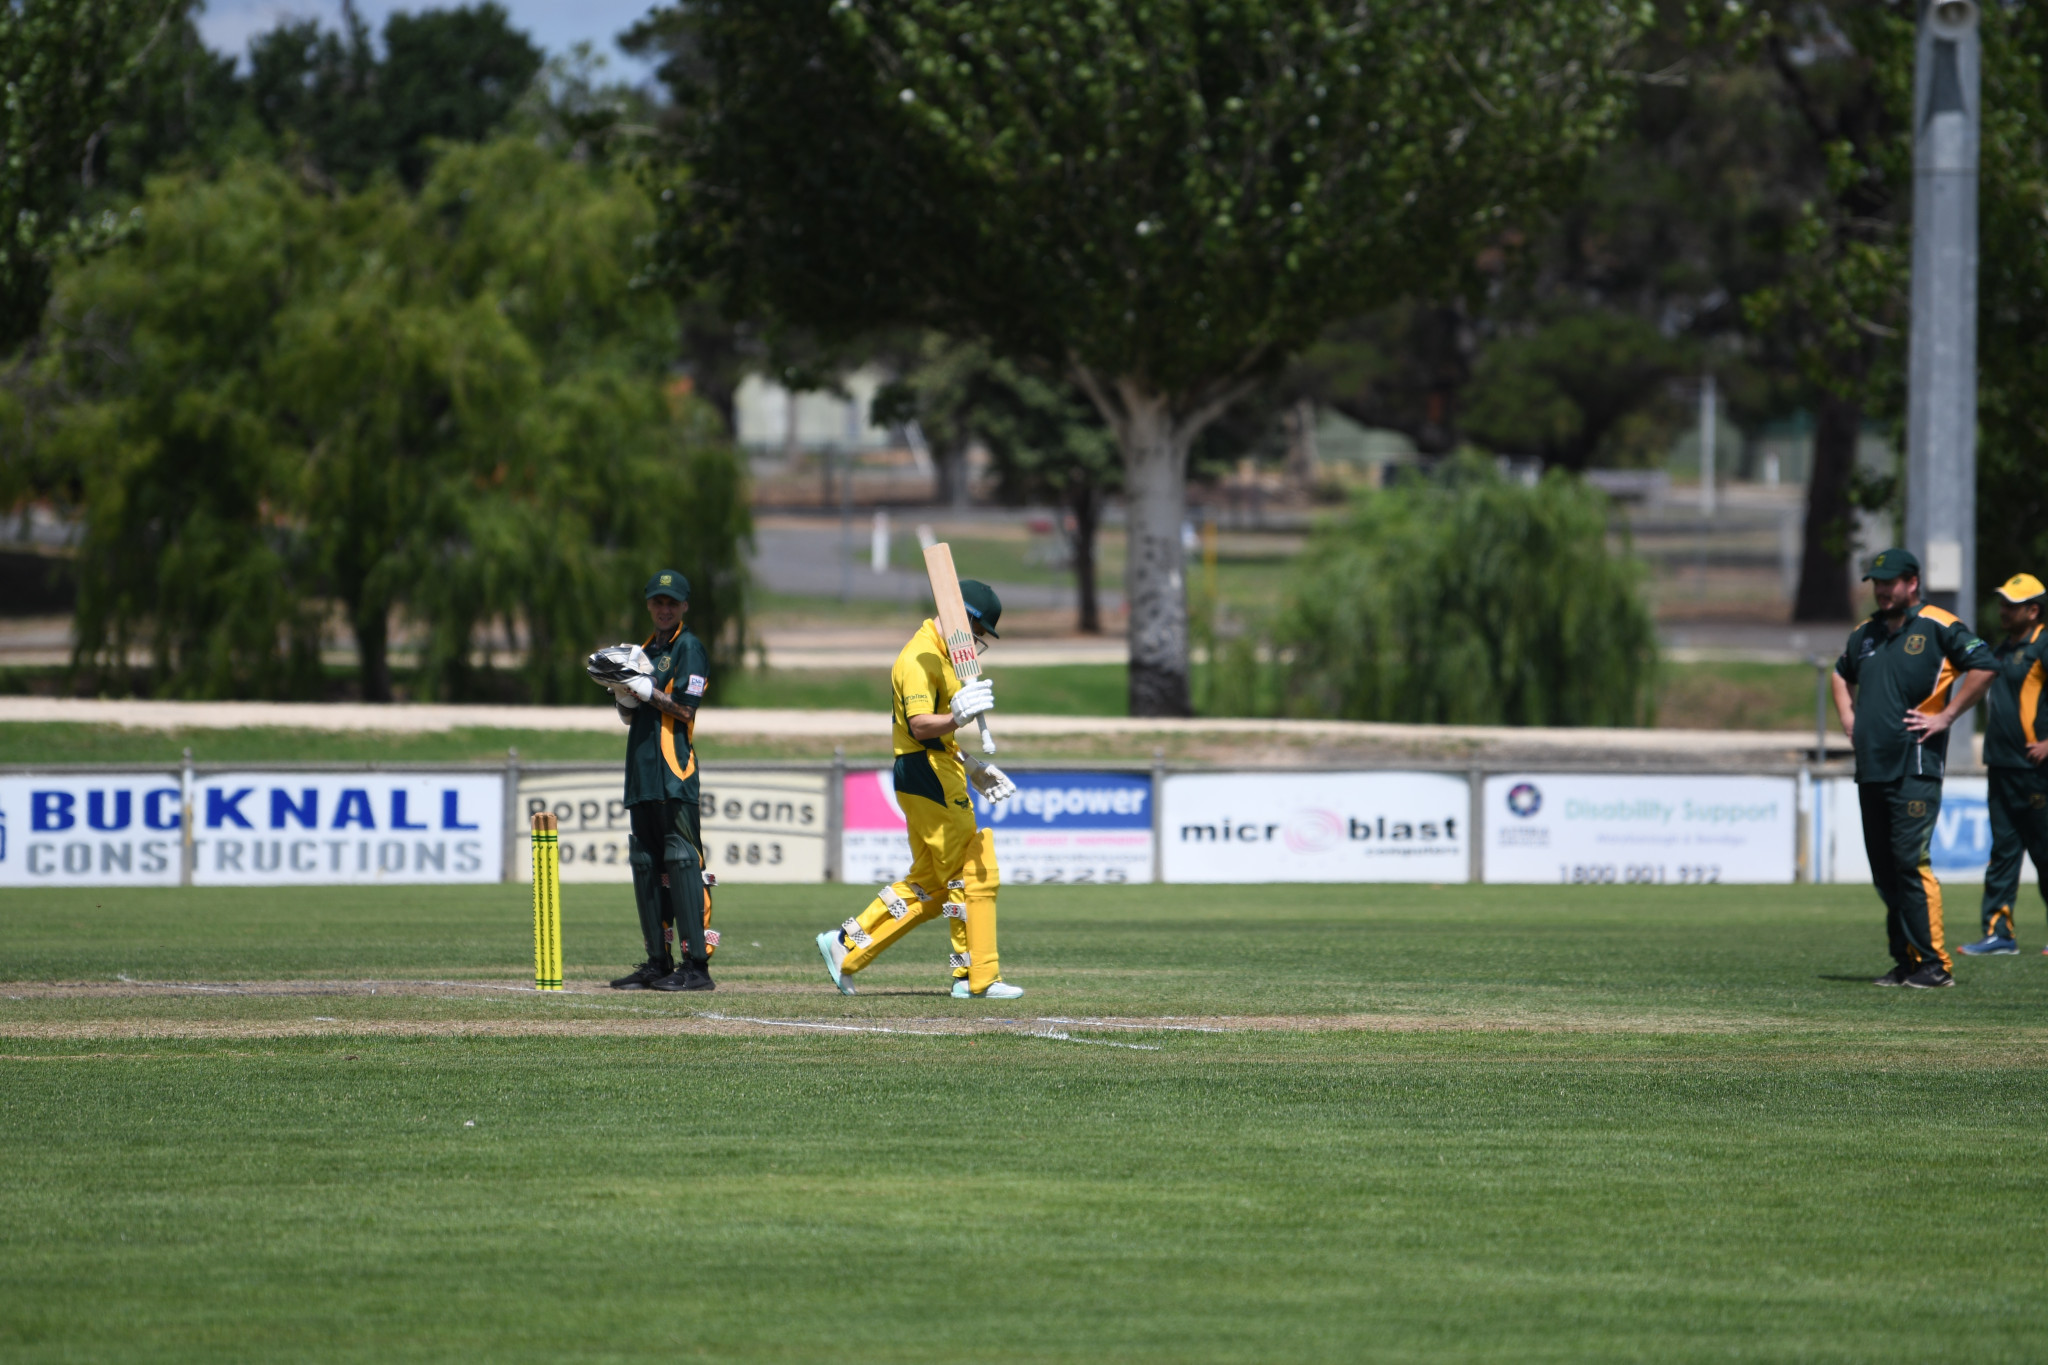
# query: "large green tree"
(1163, 199)
(64, 66)
(446, 411)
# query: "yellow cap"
(2021, 587)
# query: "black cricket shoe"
(691, 976)
(1895, 977)
(641, 977)
(1931, 977)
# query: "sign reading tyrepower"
(1316, 827)
(1639, 829)
(1068, 828)
(758, 825)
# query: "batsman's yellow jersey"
(922, 684)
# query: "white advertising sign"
(1654, 830)
(1065, 828)
(1960, 849)
(1316, 827)
(111, 829)
(319, 829)
(758, 825)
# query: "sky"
(555, 25)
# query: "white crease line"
(830, 1028)
(1059, 1037)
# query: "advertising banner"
(1653, 830)
(1061, 827)
(328, 829)
(759, 825)
(1962, 831)
(1316, 827)
(103, 829)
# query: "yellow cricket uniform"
(953, 865)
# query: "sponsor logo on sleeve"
(696, 685)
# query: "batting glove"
(991, 781)
(977, 698)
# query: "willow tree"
(1161, 198)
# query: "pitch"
(1233, 1124)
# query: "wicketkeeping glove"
(640, 686)
(616, 664)
(991, 781)
(975, 699)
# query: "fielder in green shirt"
(1914, 668)
(2015, 744)
(666, 844)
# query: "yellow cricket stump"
(547, 904)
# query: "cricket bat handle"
(988, 741)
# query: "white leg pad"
(898, 908)
(855, 933)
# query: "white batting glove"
(991, 781)
(975, 699)
(641, 686)
(623, 696)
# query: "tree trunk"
(1830, 520)
(1085, 500)
(1155, 450)
(952, 471)
(372, 625)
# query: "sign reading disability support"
(1316, 827)
(1643, 830)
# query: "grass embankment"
(1564, 1124)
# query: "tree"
(1046, 439)
(64, 65)
(1470, 600)
(1163, 201)
(446, 411)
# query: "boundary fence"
(210, 824)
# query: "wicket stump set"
(547, 904)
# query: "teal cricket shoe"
(1993, 946)
(997, 990)
(834, 953)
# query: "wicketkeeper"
(953, 865)
(2015, 745)
(659, 685)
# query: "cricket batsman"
(658, 686)
(2015, 745)
(953, 865)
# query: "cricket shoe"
(1895, 977)
(691, 976)
(997, 990)
(641, 977)
(834, 953)
(1992, 946)
(1931, 977)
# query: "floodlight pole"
(1941, 397)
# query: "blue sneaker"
(1994, 946)
(834, 953)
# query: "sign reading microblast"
(1061, 827)
(315, 829)
(1316, 827)
(106, 829)
(1655, 830)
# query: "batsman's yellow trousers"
(953, 873)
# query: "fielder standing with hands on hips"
(2015, 746)
(953, 865)
(659, 685)
(1915, 668)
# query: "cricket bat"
(954, 627)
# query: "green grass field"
(1430, 1123)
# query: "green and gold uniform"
(2018, 789)
(1898, 777)
(953, 865)
(666, 842)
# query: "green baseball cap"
(668, 583)
(1893, 563)
(982, 603)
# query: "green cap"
(1893, 563)
(982, 604)
(669, 583)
